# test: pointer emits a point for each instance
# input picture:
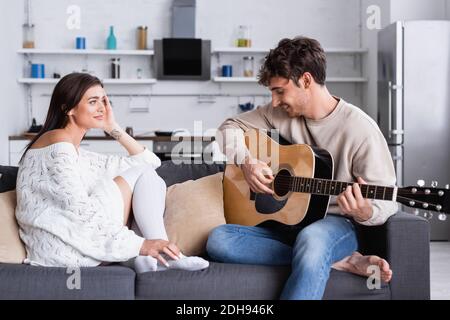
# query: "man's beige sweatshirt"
(352, 138)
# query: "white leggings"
(148, 201)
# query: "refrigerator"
(414, 106)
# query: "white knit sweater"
(69, 209)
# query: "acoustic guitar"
(303, 185)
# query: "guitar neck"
(334, 188)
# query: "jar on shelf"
(248, 66)
(142, 37)
(115, 68)
(244, 39)
(139, 73)
(28, 36)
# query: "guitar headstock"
(431, 199)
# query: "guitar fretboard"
(330, 187)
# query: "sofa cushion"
(193, 209)
(223, 281)
(218, 282)
(12, 250)
(347, 286)
(30, 282)
(8, 177)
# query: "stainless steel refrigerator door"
(390, 82)
(427, 108)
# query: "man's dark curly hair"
(292, 58)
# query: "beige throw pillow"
(12, 249)
(193, 209)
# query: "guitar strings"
(398, 197)
(290, 182)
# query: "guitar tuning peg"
(421, 182)
(442, 217)
(434, 184)
(447, 186)
(428, 215)
(416, 212)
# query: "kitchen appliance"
(184, 149)
(183, 57)
(414, 105)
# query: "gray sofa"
(403, 241)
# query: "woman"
(74, 206)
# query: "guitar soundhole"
(282, 182)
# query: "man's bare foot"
(359, 264)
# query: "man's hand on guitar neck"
(258, 175)
(352, 203)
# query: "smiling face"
(291, 98)
(89, 113)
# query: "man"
(304, 112)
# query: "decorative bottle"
(111, 42)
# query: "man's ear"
(306, 79)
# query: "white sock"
(184, 263)
(148, 207)
(145, 264)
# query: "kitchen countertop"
(153, 138)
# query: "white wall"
(12, 107)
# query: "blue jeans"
(311, 256)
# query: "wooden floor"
(440, 270)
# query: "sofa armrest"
(404, 241)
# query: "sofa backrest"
(8, 177)
(170, 172)
(177, 173)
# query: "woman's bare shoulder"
(51, 137)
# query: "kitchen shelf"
(240, 50)
(346, 79)
(234, 79)
(129, 81)
(88, 52)
(105, 81)
(265, 50)
(254, 80)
